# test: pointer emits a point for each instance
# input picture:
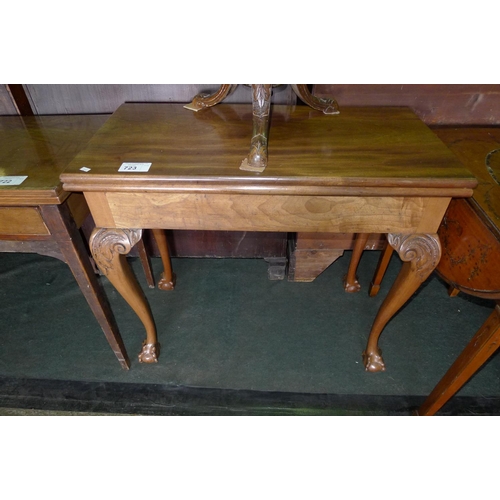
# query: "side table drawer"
(21, 221)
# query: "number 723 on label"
(134, 167)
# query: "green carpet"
(226, 326)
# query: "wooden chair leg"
(484, 343)
(382, 265)
(167, 280)
(351, 284)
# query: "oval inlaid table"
(470, 234)
(365, 170)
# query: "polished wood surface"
(365, 170)
(41, 147)
(471, 249)
(432, 103)
(471, 229)
(256, 160)
(22, 221)
(392, 153)
(474, 146)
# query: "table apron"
(22, 221)
(241, 212)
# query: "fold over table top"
(366, 151)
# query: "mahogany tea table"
(365, 170)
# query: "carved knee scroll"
(422, 250)
(106, 243)
(109, 248)
(420, 254)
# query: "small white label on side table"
(134, 167)
(12, 180)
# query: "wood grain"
(271, 213)
(364, 151)
(471, 145)
(21, 220)
(41, 147)
(78, 208)
(99, 207)
(470, 252)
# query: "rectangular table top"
(362, 151)
(40, 147)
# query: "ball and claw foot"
(164, 284)
(373, 362)
(149, 353)
(351, 287)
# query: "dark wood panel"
(184, 243)
(21, 100)
(435, 104)
(74, 99)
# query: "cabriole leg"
(382, 266)
(351, 283)
(109, 248)
(420, 254)
(167, 280)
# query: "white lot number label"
(134, 167)
(12, 180)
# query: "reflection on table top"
(360, 151)
(40, 147)
(472, 145)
